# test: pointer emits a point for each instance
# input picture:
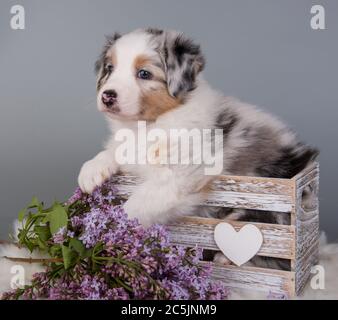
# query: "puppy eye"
(109, 67)
(144, 74)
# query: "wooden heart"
(241, 246)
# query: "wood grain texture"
(312, 166)
(242, 200)
(252, 185)
(304, 265)
(307, 228)
(297, 242)
(278, 240)
(260, 279)
(234, 192)
(230, 183)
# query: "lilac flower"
(77, 195)
(70, 234)
(126, 261)
(277, 296)
(59, 237)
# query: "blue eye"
(144, 74)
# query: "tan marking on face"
(155, 98)
(141, 61)
(150, 64)
(156, 102)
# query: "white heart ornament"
(241, 246)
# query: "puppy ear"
(110, 40)
(183, 61)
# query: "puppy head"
(146, 73)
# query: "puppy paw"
(220, 258)
(95, 172)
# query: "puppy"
(155, 76)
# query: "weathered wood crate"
(297, 242)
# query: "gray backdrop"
(262, 51)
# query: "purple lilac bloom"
(131, 263)
(277, 296)
(77, 195)
(59, 237)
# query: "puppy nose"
(109, 98)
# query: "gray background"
(262, 51)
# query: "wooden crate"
(297, 242)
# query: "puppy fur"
(177, 97)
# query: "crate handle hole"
(309, 197)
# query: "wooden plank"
(125, 179)
(307, 229)
(306, 178)
(260, 279)
(218, 196)
(230, 183)
(252, 185)
(312, 166)
(242, 200)
(304, 265)
(278, 240)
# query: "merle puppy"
(155, 76)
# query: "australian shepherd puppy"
(155, 76)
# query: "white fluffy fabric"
(12, 251)
(6, 265)
(328, 259)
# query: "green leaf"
(55, 251)
(78, 246)
(45, 219)
(43, 232)
(88, 253)
(34, 203)
(29, 245)
(21, 215)
(42, 245)
(68, 256)
(57, 218)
